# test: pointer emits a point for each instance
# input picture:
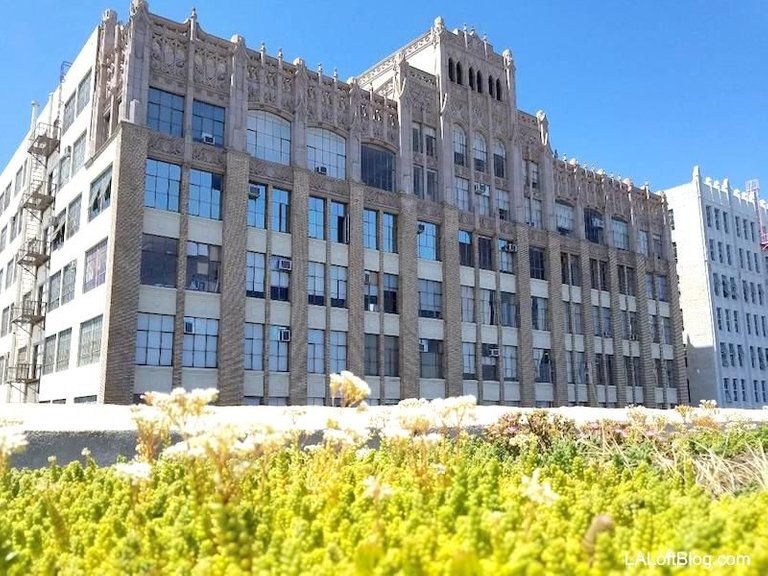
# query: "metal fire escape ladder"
(29, 309)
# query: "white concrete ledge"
(107, 417)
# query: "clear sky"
(641, 89)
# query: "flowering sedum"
(534, 495)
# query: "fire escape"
(29, 309)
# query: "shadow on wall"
(701, 375)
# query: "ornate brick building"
(206, 214)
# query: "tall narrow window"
(203, 265)
(269, 137)
(89, 350)
(316, 216)
(254, 347)
(428, 241)
(338, 227)
(316, 283)
(205, 194)
(207, 123)
(280, 278)
(326, 153)
(371, 359)
(370, 219)
(101, 194)
(499, 159)
(594, 226)
(254, 274)
(479, 152)
(280, 210)
(256, 210)
(389, 233)
(459, 146)
(316, 351)
(391, 288)
(466, 252)
(338, 286)
(95, 266)
(162, 185)
(371, 291)
(377, 167)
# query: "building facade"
(240, 221)
(719, 242)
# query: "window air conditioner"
(322, 170)
(284, 265)
(493, 352)
(189, 327)
(423, 346)
(284, 335)
(481, 189)
(208, 138)
(421, 228)
(510, 247)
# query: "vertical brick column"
(556, 327)
(525, 336)
(409, 299)
(449, 247)
(678, 347)
(181, 279)
(619, 373)
(646, 360)
(356, 281)
(297, 390)
(232, 322)
(123, 266)
(589, 328)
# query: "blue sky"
(641, 89)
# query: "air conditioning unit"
(373, 307)
(254, 192)
(481, 189)
(322, 170)
(509, 247)
(284, 265)
(189, 327)
(284, 335)
(208, 138)
(421, 228)
(423, 346)
(493, 352)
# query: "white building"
(722, 269)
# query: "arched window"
(377, 167)
(326, 152)
(459, 146)
(498, 89)
(471, 78)
(499, 159)
(479, 152)
(451, 70)
(459, 74)
(490, 86)
(479, 82)
(269, 137)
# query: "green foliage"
(453, 508)
(535, 495)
